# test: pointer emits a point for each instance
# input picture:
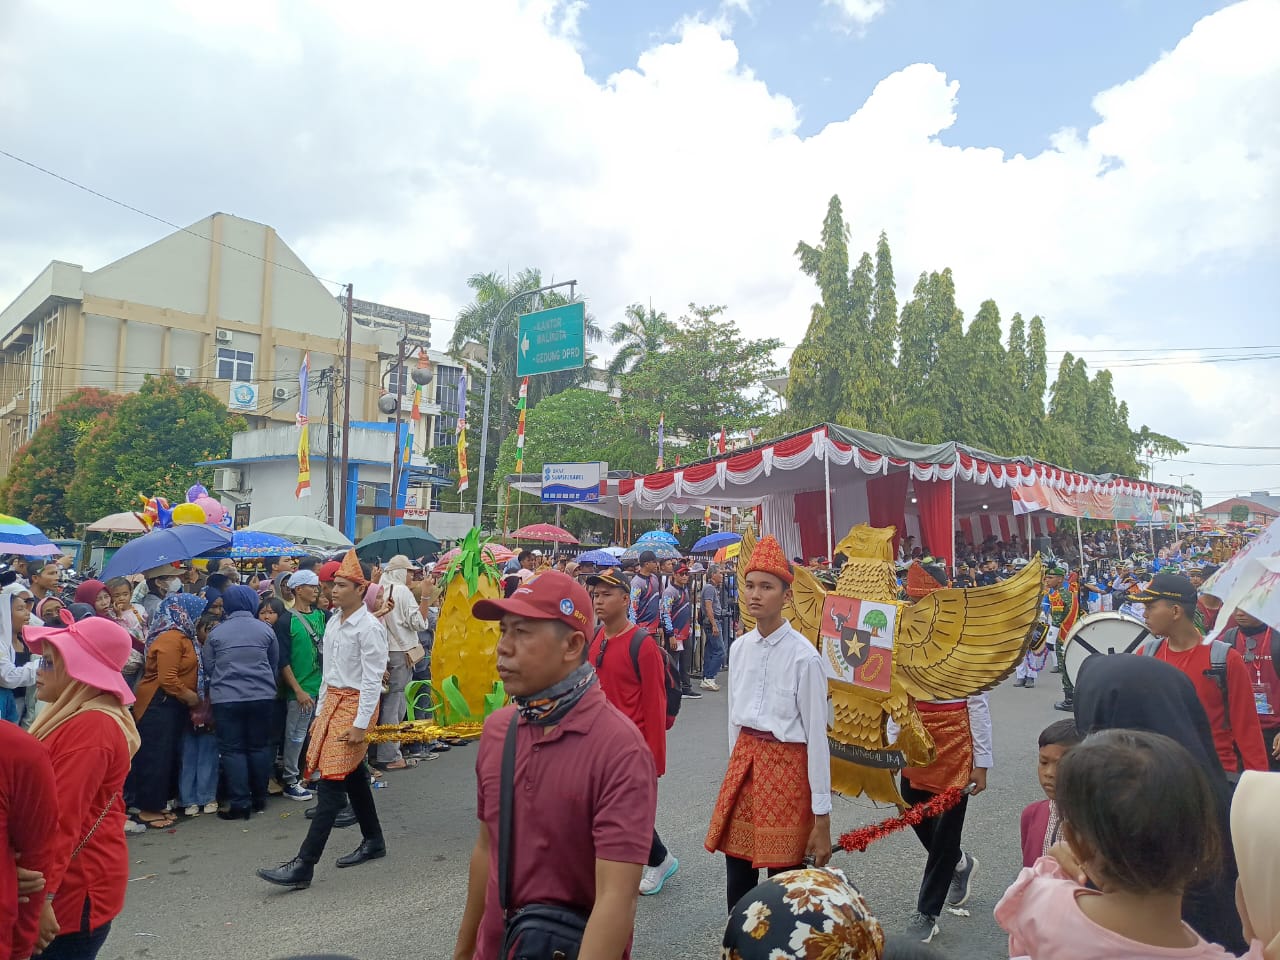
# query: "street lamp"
(488, 383)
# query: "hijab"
(240, 599)
(89, 591)
(371, 594)
(6, 614)
(1257, 846)
(800, 914)
(77, 698)
(1143, 693)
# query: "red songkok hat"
(768, 557)
(350, 568)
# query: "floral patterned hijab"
(800, 915)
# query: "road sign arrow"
(524, 345)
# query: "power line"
(1223, 446)
(167, 223)
(1269, 346)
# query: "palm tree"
(476, 319)
(640, 333)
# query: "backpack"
(671, 672)
(1217, 671)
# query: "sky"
(1112, 165)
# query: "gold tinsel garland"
(422, 731)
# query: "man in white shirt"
(355, 658)
(402, 623)
(774, 807)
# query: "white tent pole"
(953, 519)
(1080, 543)
(826, 477)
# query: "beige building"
(225, 304)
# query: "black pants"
(82, 944)
(743, 877)
(940, 836)
(333, 796)
(244, 750)
(686, 663)
(657, 850)
(153, 777)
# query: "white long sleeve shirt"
(355, 657)
(777, 685)
(405, 619)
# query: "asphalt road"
(193, 895)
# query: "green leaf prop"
(473, 559)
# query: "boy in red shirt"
(1170, 602)
(637, 686)
(1257, 643)
(1041, 822)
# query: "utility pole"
(346, 418)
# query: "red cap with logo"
(548, 596)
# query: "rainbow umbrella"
(18, 536)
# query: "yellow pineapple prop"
(466, 648)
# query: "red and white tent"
(812, 486)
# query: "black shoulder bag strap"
(506, 804)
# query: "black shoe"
(1066, 706)
(234, 814)
(690, 694)
(347, 817)
(921, 927)
(296, 874)
(258, 805)
(961, 882)
(310, 812)
(368, 850)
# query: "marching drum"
(1101, 633)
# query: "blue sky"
(1026, 67)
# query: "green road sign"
(552, 340)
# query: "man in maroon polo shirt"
(585, 782)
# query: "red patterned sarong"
(764, 812)
(948, 724)
(332, 757)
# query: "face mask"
(175, 585)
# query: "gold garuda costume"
(883, 655)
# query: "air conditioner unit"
(182, 373)
(222, 336)
(226, 479)
(280, 393)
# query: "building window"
(235, 364)
(446, 425)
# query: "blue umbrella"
(159, 547)
(601, 558)
(248, 544)
(658, 536)
(714, 541)
(659, 550)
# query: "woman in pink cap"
(91, 739)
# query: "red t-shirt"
(584, 791)
(1246, 731)
(28, 823)
(643, 700)
(1262, 670)
(90, 761)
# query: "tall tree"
(1068, 405)
(35, 487)
(150, 444)
(639, 333)
(930, 335)
(881, 344)
(989, 417)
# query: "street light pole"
(488, 384)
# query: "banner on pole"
(304, 431)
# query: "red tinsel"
(863, 837)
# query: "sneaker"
(1020, 681)
(690, 694)
(296, 791)
(1066, 706)
(210, 807)
(652, 878)
(710, 685)
(191, 810)
(921, 927)
(1031, 682)
(961, 882)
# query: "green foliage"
(473, 561)
(150, 445)
(35, 487)
(1239, 513)
(706, 377)
(638, 335)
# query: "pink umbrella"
(494, 553)
(544, 533)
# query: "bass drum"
(1101, 633)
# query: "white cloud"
(407, 145)
(857, 13)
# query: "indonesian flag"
(1024, 501)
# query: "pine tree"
(989, 417)
(881, 351)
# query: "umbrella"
(248, 544)
(658, 536)
(660, 550)
(495, 553)
(544, 533)
(302, 530)
(159, 547)
(126, 522)
(727, 552)
(714, 541)
(18, 536)
(616, 551)
(601, 558)
(399, 539)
